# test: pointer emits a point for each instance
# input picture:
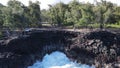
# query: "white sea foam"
(58, 60)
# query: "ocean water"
(57, 60)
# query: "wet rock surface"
(101, 48)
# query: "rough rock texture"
(26, 49)
(101, 48)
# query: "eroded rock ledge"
(101, 48)
(26, 49)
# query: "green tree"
(57, 14)
(13, 14)
(104, 13)
(35, 13)
(87, 14)
(8, 18)
(44, 15)
(75, 12)
(1, 16)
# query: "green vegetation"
(76, 14)
(1, 35)
(17, 15)
(96, 25)
(113, 25)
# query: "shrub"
(1, 35)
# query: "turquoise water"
(58, 60)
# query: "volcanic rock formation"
(101, 48)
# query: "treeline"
(75, 13)
(79, 14)
(17, 15)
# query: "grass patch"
(113, 25)
(96, 25)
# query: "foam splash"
(58, 60)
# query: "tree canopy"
(17, 15)
(75, 13)
(82, 14)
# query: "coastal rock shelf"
(101, 48)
